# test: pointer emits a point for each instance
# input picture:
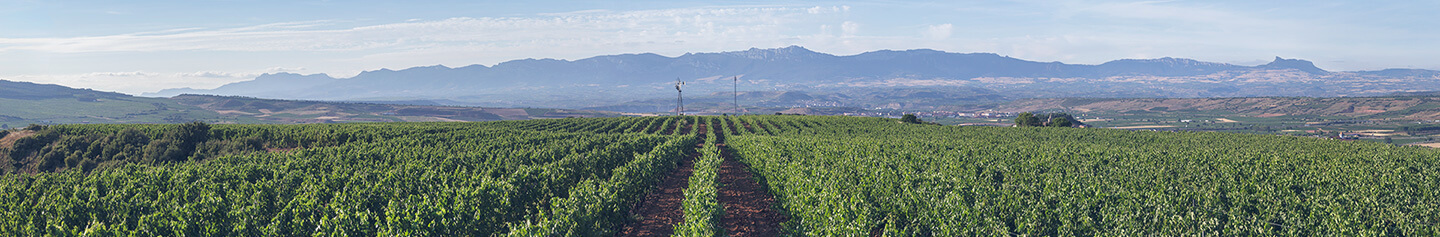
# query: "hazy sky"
(144, 46)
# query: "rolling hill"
(24, 103)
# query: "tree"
(910, 118)
(1027, 119)
(1060, 122)
(178, 143)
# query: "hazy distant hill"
(267, 83)
(619, 79)
(23, 103)
(1403, 107)
(31, 91)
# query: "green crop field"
(830, 176)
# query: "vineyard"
(743, 176)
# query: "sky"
(145, 46)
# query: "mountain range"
(617, 80)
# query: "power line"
(736, 93)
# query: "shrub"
(910, 118)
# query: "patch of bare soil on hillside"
(14, 135)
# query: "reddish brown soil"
(659, 211)
(774, 126)
(764, 128)
(655, 129)
(640, 127)
(733, 129)
(749, 209)
(686, 129)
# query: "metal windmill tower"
(679, 97)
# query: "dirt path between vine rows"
(660, 210)
(747, 126)
(749, 209)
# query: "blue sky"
(143, 46)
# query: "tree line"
(1028, 119)
(49, 149)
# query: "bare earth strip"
(749, 208)
(662, 208)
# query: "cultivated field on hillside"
(704, 176)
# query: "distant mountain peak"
(1170, 62)
(1297, 64)
(291, 74)
(792, 52)
(1166, 66)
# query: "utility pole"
(679, 97)
(736, 93)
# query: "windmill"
(679, 97)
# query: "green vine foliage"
(833, 176)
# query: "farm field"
(703, 176)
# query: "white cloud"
(937, 32)
(218, 75)
(1166, 12)
(814, 10)
(581, 27)
(849, 29)
(119, 74)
